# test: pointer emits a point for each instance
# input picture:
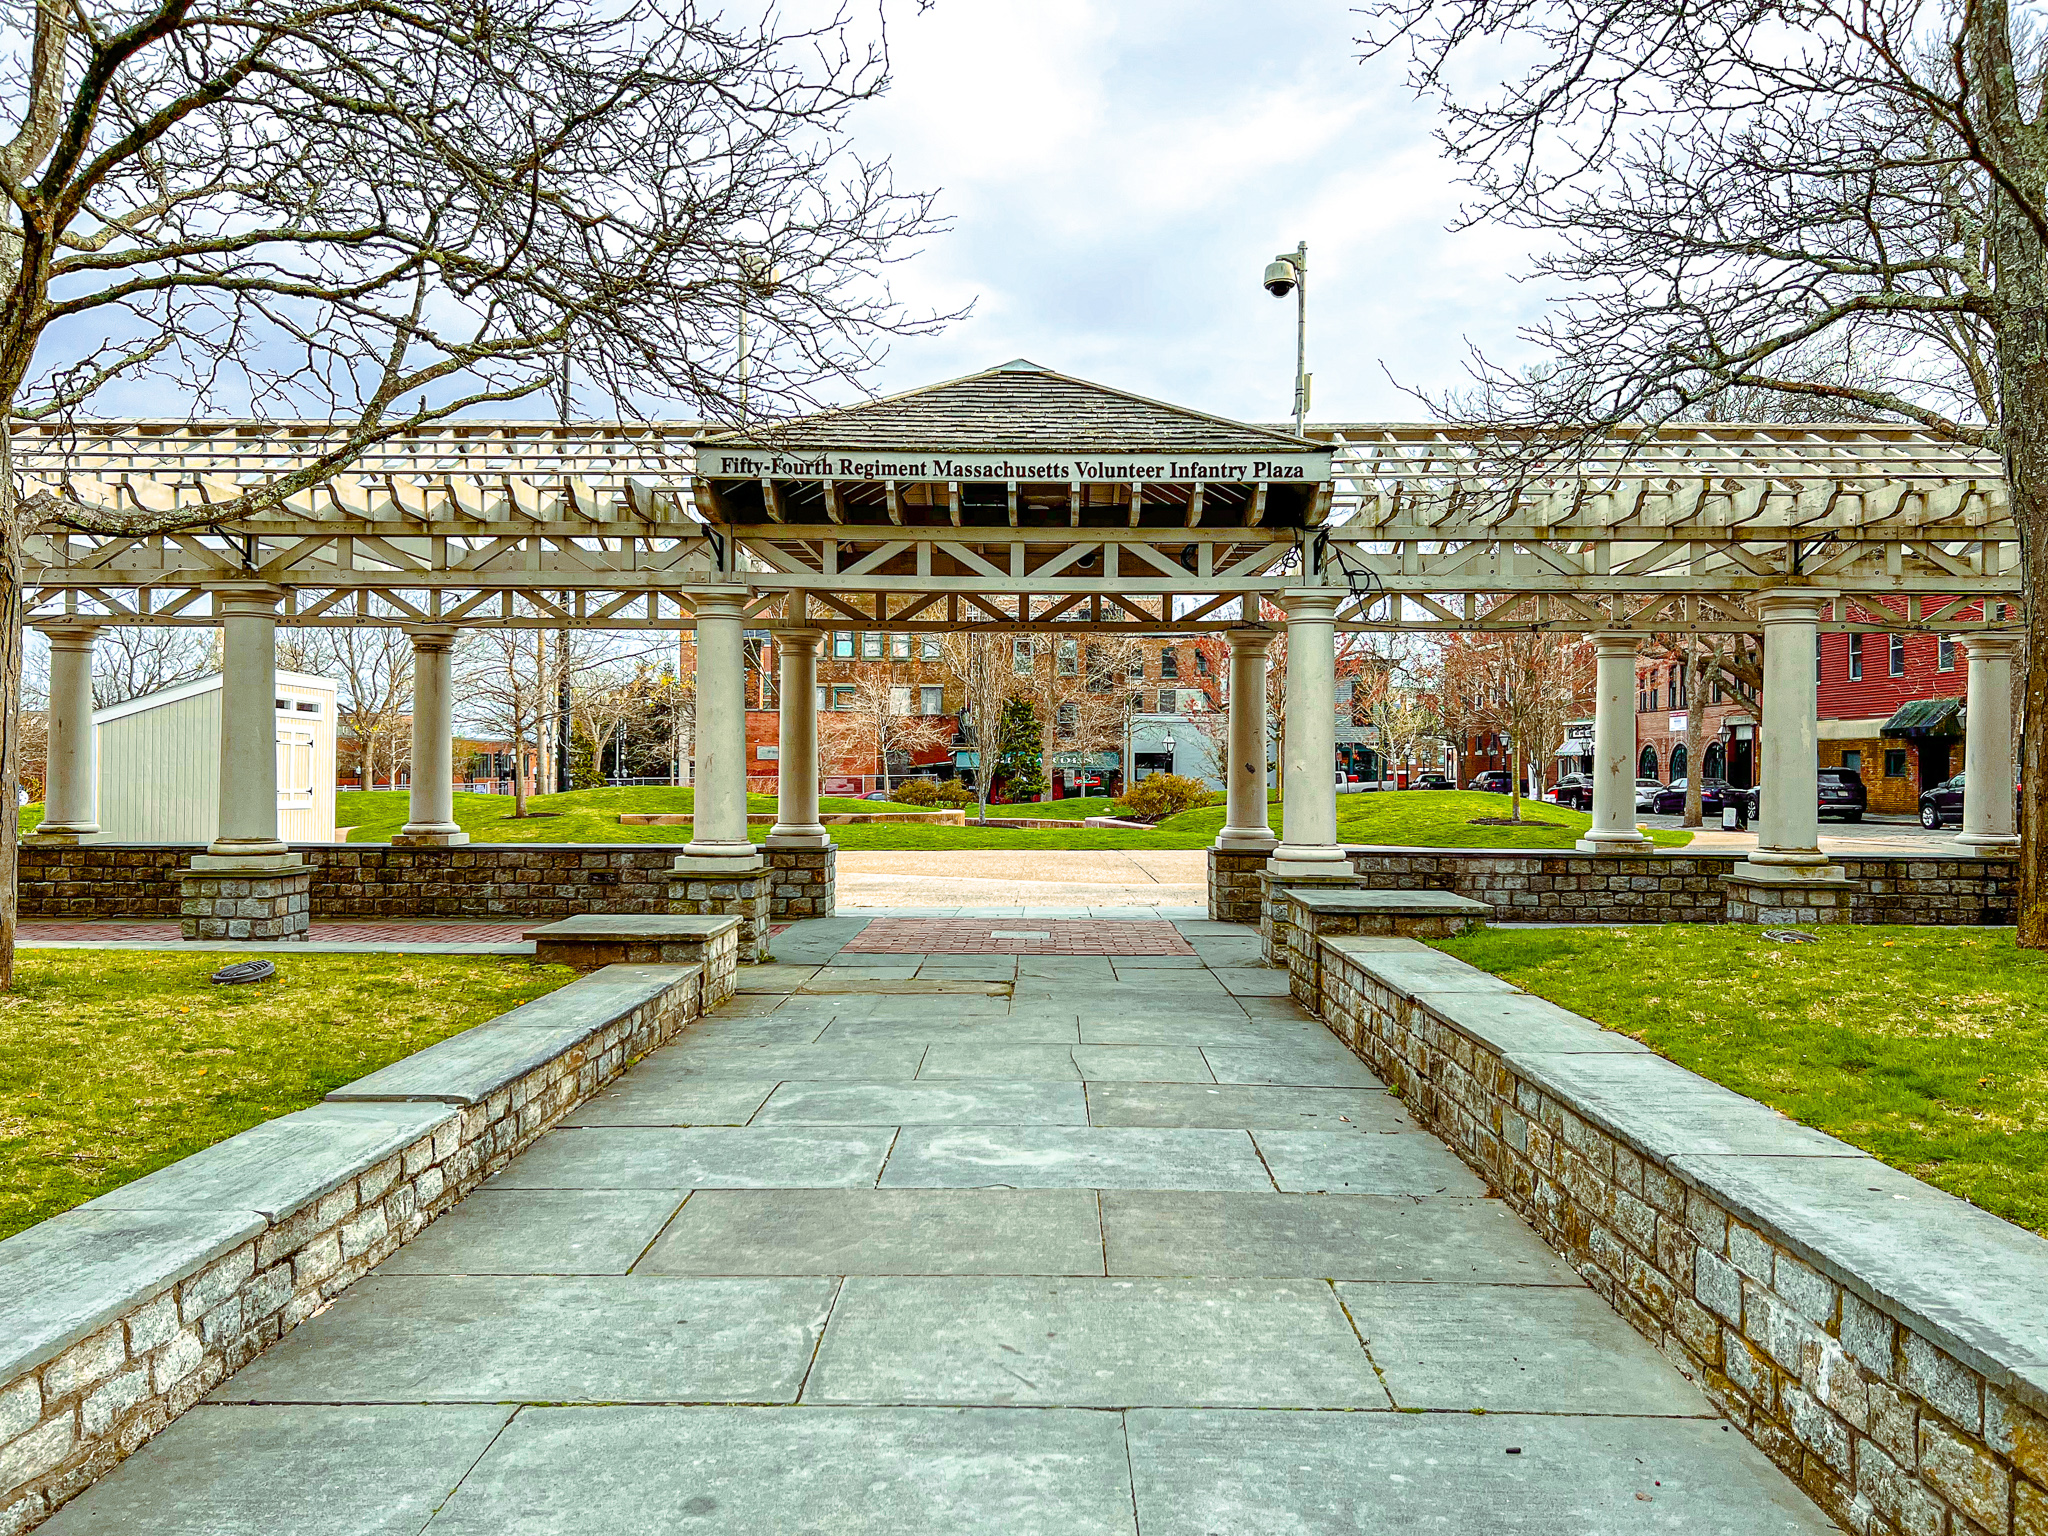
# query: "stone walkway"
(1101, 1245)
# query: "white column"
(248, 728)
(1614, 748)
(1788, 828)
(1247, 826)
(1308, 786)
(430, 820)
(71, 768)
(1987, 745)
(796, 766)
(719, 841)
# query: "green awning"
(1926, 717)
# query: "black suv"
(1841, 793)
(1670, 801)
(1430, 781)
(1574, 790)
(1493, 782)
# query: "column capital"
(1617, 642)
(800, 639)
(432, 637)
(1250, 637)
(1991, 644)
(1792, 605)
(730, 604)
(254, 601)
(1310, 603)
(71, 634)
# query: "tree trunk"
(10, 726)
(518, 772)
(1514, 777)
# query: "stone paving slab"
(1514, 1349)
(549, 1339)
(1143, 1063)
(1092, 1343)
(714, 1157)
(1000, 1060)
(811, 1063)
(1355, 1237)
(672, 1102)
(970, 935)
(1320, 1064)
(835, 1472)
(993, 1028)
(355, 1471)
(1066, 1157)
(1203, 1027)
(1244, 981)
(1319, 1163)
(758, 1029)
(882, 1232)
(1065, 968)
(927, 1102)
(539, 1232)
(1340, 1110)
(1360, 1474)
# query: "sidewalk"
(1092, 1244)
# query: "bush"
(1162, 795)
(947, 793)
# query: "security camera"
(1280, 278)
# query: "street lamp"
(1288, 273)
(1169, 751)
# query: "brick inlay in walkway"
(145, 932)
(1016, 936)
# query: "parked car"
(1944, 803)
(1841, 793)
(1494, 781)
(1574, 790)
(1430, 781)
(1670, 800)
(1647, 791)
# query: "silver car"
(1646, 794)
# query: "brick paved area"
(327, 933)
(1015, 936)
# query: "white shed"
(159, 763)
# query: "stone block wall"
(1234, 886)
(803, 882)
(1276, 912)
(268, 907)
(1889, 1431)
(743, 896)
(67, 1418)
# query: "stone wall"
(1878, 1340)
(125, 1311)
(804, 882)
(1234, 890)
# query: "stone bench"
(1884, 1343)
(120, 1314)
(594, 939)
(1307, 915)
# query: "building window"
(1069, 654)
(1855, 658)
(842, 643)
(1898, 654)
(1946, 660)
(1098, 671)
(1895, 762)
(1678, 761)
(1853, 761)
(1647, 768)
(929, 648)
(1202, 663)
(824, 697)
(842, 698)
(899, 647)
(1710, 761)
(1064, 721)
(1166, 700)
(1817, 639)
(931, 700)
(871, 644)
(1714, 691)
(1169, 664)
(899, 700)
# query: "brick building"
(1664, 705)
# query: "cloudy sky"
(1120, 171)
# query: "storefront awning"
(1574, 747)
(1925, 717)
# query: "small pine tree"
(1021, 763)
(583, 772)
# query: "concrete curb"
(118, 1315)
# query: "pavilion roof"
(1018, 406)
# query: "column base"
(1308, 861)
(429, 836)
(60, 837)
(1989, 844)
(1787, 894)
(1788, 858)
(1633, 842)
(696, 859)
(813, 836)
(726, 892)
(802, 881)
(264, 899)
(1245, 840)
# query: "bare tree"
(504, 690)
(1523, 684)
(130, 661)
(980, 662)
(1822, 201)
(390, 213)
(371, 669)
(885, 712)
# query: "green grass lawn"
(1925, 1047)
(1417, 818)
(116, 1062)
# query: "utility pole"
(1288, 273)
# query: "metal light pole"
(1288, 273)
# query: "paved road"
(1137, 1246)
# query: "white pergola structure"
(1022, 500)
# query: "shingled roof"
(1022, 407)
